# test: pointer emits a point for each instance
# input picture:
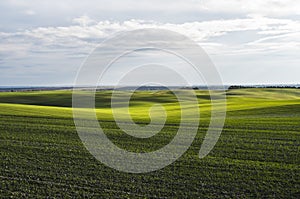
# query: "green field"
(257, 155)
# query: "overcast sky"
(250, 42)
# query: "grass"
(257, 155)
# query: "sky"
(44, 43)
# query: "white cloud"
(69, 45)
(262, 7)
(84, 20)
(30, 12)
(89, 32)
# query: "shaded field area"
(257, 155)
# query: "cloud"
(84, 20)
(261, 7)
(61, 49)
(30, 12)
(86, 33)
(265, 7)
